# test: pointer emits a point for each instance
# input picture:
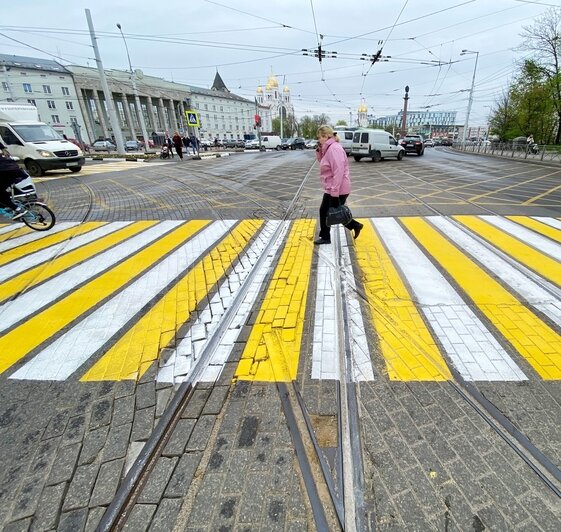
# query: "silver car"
(103, 145)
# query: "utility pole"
(404, 117)
(135, 92)
(470, 101)
(108, 97)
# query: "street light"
(135, 92)
(470, 101)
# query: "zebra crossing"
(422, 297)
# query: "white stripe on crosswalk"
(537, 241)
(178, 366)
(36, 235)
(61, 359)
(473, 349)
(30, 302)
(44, 255)
(519, 282)
(553, 222)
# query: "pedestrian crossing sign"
(192, 118)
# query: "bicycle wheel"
(39, 217)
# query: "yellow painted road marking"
(22, 230)
(542, 195)
(29, 335)
(42, 272)
(527, 255)
(539, 227)
(48, 240)
(407, 345)
(100, 168)
(136, 350)
(273, 348)
(531, 337)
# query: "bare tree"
(544, 39)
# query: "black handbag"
(338, 215)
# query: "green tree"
(341, 123)
(544, 39)
(308, 126)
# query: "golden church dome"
(362, 108)
(272, 82)
(259, 90)
(286, 89)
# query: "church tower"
(362, 115)
(276, 100)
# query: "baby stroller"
(165, 153)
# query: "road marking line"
(525, 235)
(528, 289)
(273, 348)
(535, 225)
(33, 236)
(49, 240)
(407, 346)
(549, 221)
(529, 335)
(34, 300)
(177, 367)
(137, 349)
(542, 195)
(74, 253)
(520, 251)
(59, 359)
(361, 359)
(5, 230)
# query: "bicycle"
(38, 216)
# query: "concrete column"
(182, 117)
(153, 123)
(128, 114)
(101, 114)
(161, 109)
(173, 116)
(85, 107)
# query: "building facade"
(275, 103)
(47, 85)
(428, 123)
(225, 115)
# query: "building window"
(69, 106)
(65, 91)
(73, 120)
(5, 86)
(47, 89)
(27, 87)
(51, 104)
(32, 102)
(55, 119)
(206, 106)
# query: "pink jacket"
(334, 169)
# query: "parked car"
(346, 138)
(429, 143)
(133, 145)
(104, 145)
(297, 143)
(204, 143)
(285, 144)
(413, 144)
(231, 143)
(376, 144)
(311, 144)
(252, 144)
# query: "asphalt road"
(455, 279)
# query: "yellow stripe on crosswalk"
(43, 272)
(47, 241)
(22, 230)
(538, 343)
(407, 345)
(539, 227)
(32, 333)
(273, 348)
(136, 350)
(527, 255)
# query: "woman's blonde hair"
(327, 131)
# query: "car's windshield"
(36, 132)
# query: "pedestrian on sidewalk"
(178, 143)
(336, 181)
(169, 144)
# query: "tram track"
(348, 509)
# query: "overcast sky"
(187, 41)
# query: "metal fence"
(536, 152)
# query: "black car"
(297, 143)
(413, 144)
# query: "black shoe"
(358, 229)
(320, 241)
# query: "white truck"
(36, 144)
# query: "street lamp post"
(135, 92)
(470, 100)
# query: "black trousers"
(179, 150)
(329, 201)
(10, 173)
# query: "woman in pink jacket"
(335, 179)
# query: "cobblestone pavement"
(107, 314)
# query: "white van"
(35, 143)
(375, 144)
(272, 142)
(345, 137)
